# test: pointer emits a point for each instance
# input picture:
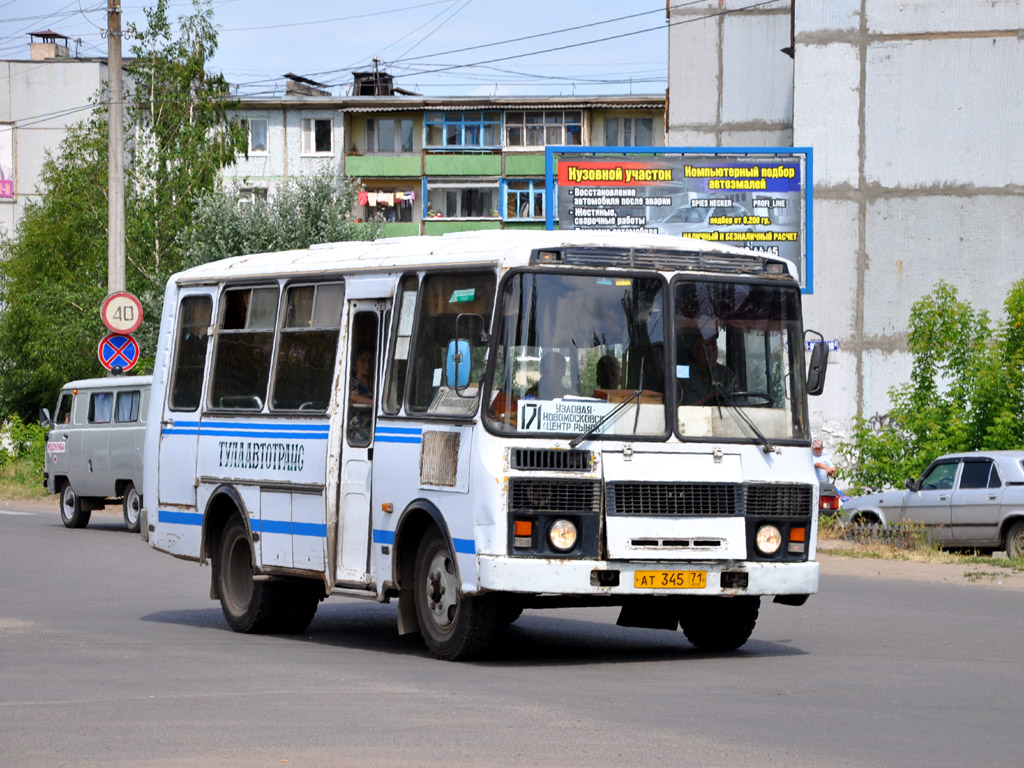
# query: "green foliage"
(306, 210)
(965, 392)
(19, 440)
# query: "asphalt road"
(113, 654)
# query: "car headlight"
(768, 539)
(562, 535)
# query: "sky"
(595, 47)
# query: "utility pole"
(115, 152)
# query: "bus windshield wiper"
(720, 395)
(635, 394)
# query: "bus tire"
(71, 512)
(132, 504)
(454, 627)
(252, 607)
(719, 623)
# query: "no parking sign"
(118, 350)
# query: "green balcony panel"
(382, 166)
(400, 229)
(463, 165)
(524, 165)
(442, 226)
(524, 225)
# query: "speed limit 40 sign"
(121, 312)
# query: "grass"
(21, 478)
(913, 545)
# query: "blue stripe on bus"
(287, 527)
(245, 433)
(292, 427)
(175, 431)
(462, 546)
(179, 518)
(384, 434)
(399, 430)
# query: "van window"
(100, 406)
(308, 346)
(443, 299)
(193, 335)
(241, 364)
(63, 415)
(127, 407)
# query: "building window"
(628, 131)
(250, 195)
(462, 129)
(462, 202)
(257, 130)
(388, 205)
(539, 129)
(389, 135)
(524, 199)
(316, 136)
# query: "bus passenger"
(552, 370)
(361, 398)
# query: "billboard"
(752, 198)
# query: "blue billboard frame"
(807, 152)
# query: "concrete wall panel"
(930, 108)
(913, 243)
(881, 371)
(832, 308)
(939, 16)
(757, 77)
(833, 16)
(826, 114)
(764, 137)
(678, 137)
(693, 60)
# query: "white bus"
(317, 429)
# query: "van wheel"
(454, 627)
(259, 607)
(719, 623)
(71, 512)
(1015, 540)
(132, 508)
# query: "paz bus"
(485, 422)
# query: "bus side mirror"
(44, 418)
(457, 363)
(818, 365)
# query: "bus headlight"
(562, 535)
(768, 539)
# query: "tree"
(178, 137)
(965, 391)
(305, 210)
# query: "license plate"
(670, 579)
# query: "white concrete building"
(914, 112)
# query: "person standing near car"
(823, 464)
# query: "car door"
(931, 503)
(976, 502)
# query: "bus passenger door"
(361, 387)
(177, 520)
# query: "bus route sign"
(121, 312)
(118, 350)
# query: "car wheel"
(454, 627)
(132, 508)
(1015, 540)
(71, 512)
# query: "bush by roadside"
(22, 456)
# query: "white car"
(972, 501)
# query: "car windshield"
(738, 361)
(570, 347)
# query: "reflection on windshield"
(570, 347)
(738, 346)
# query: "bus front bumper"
(538, 576)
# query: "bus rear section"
(482, 424)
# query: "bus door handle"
(167, 423)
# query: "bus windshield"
(571, 347)
(738, 361)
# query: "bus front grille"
(777, 499)
(547, 459)
(557, 496)
(673, 499)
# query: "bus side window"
(398, 369)
(190, 352)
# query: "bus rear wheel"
(259, 607)
(719, 623)
(454, 627)
(71, 512)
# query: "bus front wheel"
(257, 607)
(454, 627)
(719, 623)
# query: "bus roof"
(481, 247)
